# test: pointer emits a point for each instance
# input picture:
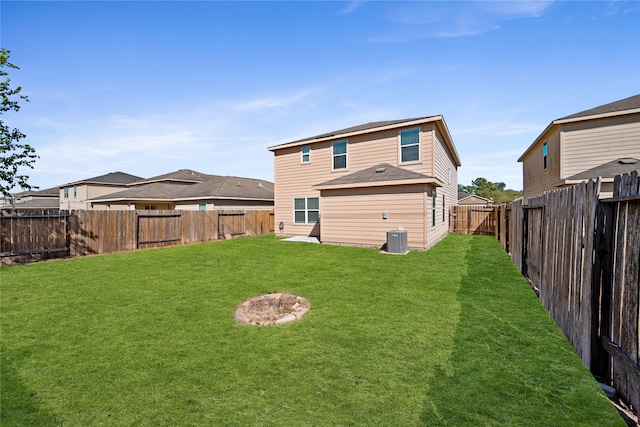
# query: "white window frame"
(305, 152)
(345, 154)
(400, 147)
(306, 210)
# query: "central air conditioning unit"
(397, 242)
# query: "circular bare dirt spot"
(272, 309)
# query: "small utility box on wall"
(397, 241)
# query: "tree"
(495, 191)
(13, 154)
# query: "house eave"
(189, 199)
(359, 132)
(431, 181)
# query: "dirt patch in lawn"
(272, 309)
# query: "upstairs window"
(75, 191)
(339, 155)
(544, 156)
(410, 145)
(66, 192)
(306, 210)
(306, 154)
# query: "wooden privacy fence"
(28, 236)
(42, 233)
(582, 255)
(473, 220)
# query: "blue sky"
(150, 87)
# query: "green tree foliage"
(13, 154)
(495, 191)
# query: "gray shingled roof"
(231, 187)
(631, 103)
(215, 187)
(110, 178)
(47, 192)
(184, 175)
(609, 170)
(379, 173)
(46, 203)
(358, 128)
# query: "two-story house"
(76, 195)
(353, 185)
(600, 142)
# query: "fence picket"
(28, 236)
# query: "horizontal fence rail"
(28, 236)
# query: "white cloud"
(352, 6)
(418, 20)
(299, 97)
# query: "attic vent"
(627, 161)
(380, 170)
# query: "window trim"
(306, 210)
(345, 154)
(400, 146)
(307, 154)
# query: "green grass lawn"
(453, 336)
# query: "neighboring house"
(353, 185)
(600, 142)
(34, 199)
(466, 199)
(76, 195)
(190, 190)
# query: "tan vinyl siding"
(446, 171)
(536, 179)
(86, 192)
(592, 143)
(355, 216)
(296, 179)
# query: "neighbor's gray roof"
(46, 203)
(631, 103)
(383, 172)
(110, 178)
(231, 187)
(609, 170)
(183, 175)
(47, 192)
(215, 187)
